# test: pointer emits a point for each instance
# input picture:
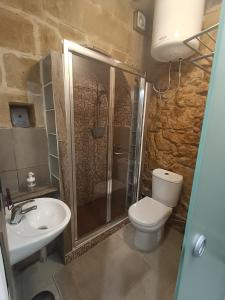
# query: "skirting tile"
(80, 249)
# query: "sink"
(37, 228)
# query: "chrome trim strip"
(110, 143)
(148, 90)
(130, 157)
(73, 145)
(141, 104)
(68, 100)
(74, 47)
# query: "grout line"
(10, 90)
(18, 53)
(56, 285)
(37, 40)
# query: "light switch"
(139, 21)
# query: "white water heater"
(175, 21)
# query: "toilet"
(149, 215)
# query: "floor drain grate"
(44, 295)
(43, 227)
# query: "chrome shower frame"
(70, 48)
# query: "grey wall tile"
(30, 146)
(47, 69)
(7, 157)
(41, 174)
(9, 180)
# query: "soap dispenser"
(31, 181)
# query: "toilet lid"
(149, 212)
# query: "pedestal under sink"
(37, 228)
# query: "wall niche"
(22, 114)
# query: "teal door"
(202, 274)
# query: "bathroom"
(100, 132)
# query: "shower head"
(101, 94)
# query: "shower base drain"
(43, 227)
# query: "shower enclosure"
(105, 103)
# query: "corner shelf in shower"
(203, 57)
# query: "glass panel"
(47, 70)
(52, 144)
(50, 120)
(124, 141)
(48, 97)
(91, 100)
(54, 166)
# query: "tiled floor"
(112, 270)
(38, 277)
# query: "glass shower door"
(90, 122)
(126, 140)
(104, 121)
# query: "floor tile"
(112, 270)
(39, 276)
(115, 269)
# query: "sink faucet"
(18, 212)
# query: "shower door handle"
(119, 153)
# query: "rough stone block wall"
(174, 126)
(29, 29)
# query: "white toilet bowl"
(148, 216)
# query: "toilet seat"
(149, 212)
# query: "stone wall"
(29, 29)
(174, 125)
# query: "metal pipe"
(201, 67)
(211, 37)
(195, 50)
(202, 32)
(202, 57)
(204, 44)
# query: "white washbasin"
(37, 228)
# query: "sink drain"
(43, 227)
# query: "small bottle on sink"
(31, 181)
